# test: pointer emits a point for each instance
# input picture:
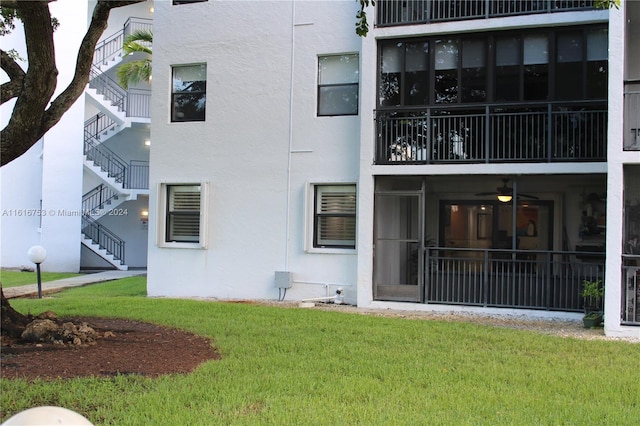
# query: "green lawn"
(12, 278)
(292, 366)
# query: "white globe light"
(37, 254)
(47, 416)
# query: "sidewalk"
(79, 281)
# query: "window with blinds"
(183, 213)
(334, 216)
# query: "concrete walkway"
(59, 285)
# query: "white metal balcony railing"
(394, 12)
(497, 133)
(632, 115)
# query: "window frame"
(312, 216)
(163, 214)
(174, 94)
(321, 86)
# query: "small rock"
(48, 315)
(109, 334)
(40, 330)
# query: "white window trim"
(309, 195)
(161, 214)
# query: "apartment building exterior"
(465, 155)
(82, 191)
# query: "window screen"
(183, 213)
(335, 216)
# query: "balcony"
(394, 12)
(519, 279)
(548, 280)
(546, 132)
(632, 115)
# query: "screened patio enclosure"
(449, 240)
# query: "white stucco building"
(80, 192)
(292, 158)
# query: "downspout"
(290, 142)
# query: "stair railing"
(108, 161)
(109, 48)
(108, 88)
(104, 238)
(96, 199)
(98, 124)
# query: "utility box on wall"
(284, 279)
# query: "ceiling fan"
(505, 193)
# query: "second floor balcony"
(405, 12)
(536, 132)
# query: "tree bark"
(13, 322)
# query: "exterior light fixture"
(505, 198)
(144, 217)
(37, 254)
(147, 142)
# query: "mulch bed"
(127, 348)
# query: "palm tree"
(139, 70)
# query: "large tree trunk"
(13, 322)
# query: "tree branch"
(99, 22)
(12, 88)
(39, 82)
(31, 119)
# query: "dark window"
(338, 77)
(189, 93)
(417, 73)
(507, 71)
(536, 67)
(569, 61)
(503, 67)
(391, 64)
(474, 71)
(446, 71)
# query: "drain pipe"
(338, 298)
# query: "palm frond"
(140, 70)
(134, 72)
(138, 41)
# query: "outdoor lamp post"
(37, 254)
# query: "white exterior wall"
(615, 182)
(259, 148)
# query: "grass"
(11, 278)
(303, 366)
